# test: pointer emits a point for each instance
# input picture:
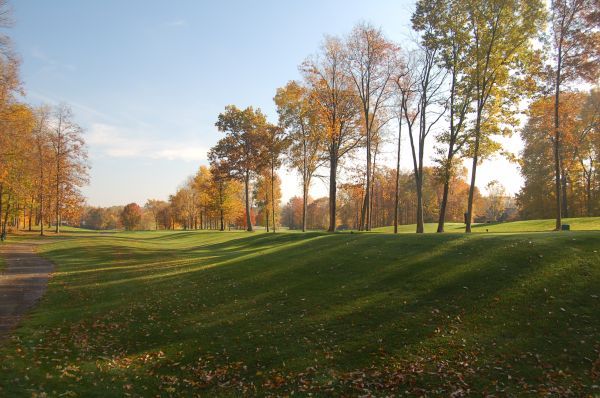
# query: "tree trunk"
(397, 190)
(557, 165)
(5, 218)
(304, 204)
(420, 223)
(564, 201)
(332, 192)
(367, 207)
(588, 190)
(267, 219)
(443, 205)
(30, 214)
(473, 171)
(273, 192)
(247, 192)
(57, 230)
(305, 182)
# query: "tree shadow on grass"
(338, 302)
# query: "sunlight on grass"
(177, 313)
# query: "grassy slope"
(173, 313)
(577, 224)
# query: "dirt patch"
(22, 282)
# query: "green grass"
(576, 224)
(209, 313)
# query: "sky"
(147, 79)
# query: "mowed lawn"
(576, 224)
(232, 314)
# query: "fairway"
(230, 313)
(576, 224)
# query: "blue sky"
(147, 79)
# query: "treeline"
(206, 200)
(495, 206)
(457, 88)
(460, 84)
(43, 158)
(579, 157)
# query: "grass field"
(208, 313)
(576, 224)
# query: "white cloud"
(121, 142)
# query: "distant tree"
(575, 57)
(268, 195)
(496, 195)
(587, 147)
(225, 195)
(131, 216)
(154, 206)
(580, 123)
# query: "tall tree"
(444, 26)
(371, 63)
(298, 114)
(501, 32)
(276, 143)
(69, 157)
(332, 90)
(41, 155)
(576, 57)
(241, 151)
(423, 106)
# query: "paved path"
(22, 282)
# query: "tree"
(496, 195)
(371, 63)
(501, 31)
(298, 114)
(155, 206)
(423, 106)
(41, 155)
(580, 117)
(445, 27)
(69, 156)
(587, 149)
(225, 194)
(202, 186)
(576, 57)
(241, 151)
(332, 91)
(268, 195)
(131, 216)
(16, 172)
(276, 143)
